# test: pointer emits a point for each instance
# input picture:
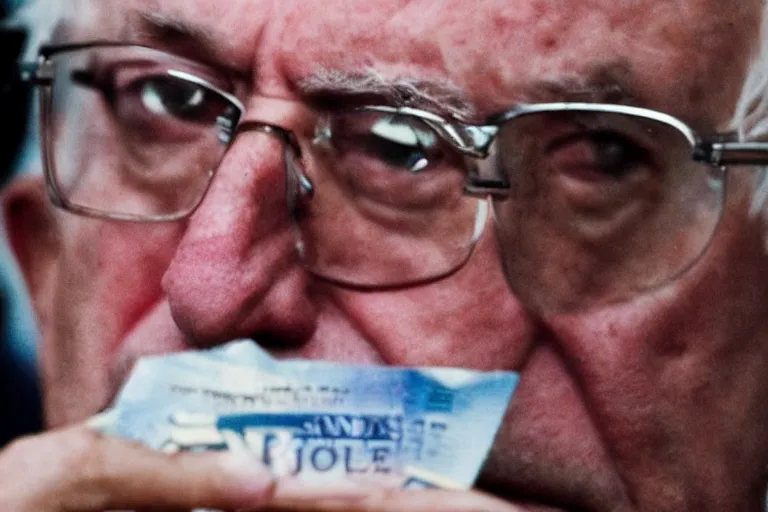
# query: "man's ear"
(33, 235)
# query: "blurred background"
(19, 393)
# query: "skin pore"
(652, 404)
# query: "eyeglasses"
(593, 203)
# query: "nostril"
(274, 343)
(218, 290)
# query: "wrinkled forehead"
(683, 56)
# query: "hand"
(290, 495)
(80, 470)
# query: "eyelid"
(572, 130)
(575, 137)
(392, 132)
(403, 133)
(102, 66)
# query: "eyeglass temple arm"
(732, 153)
(34, 73)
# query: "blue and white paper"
(317, 420)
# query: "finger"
(291, 495)
(79, 469)
(235, 443)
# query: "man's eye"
(597, 155)
(169, 96)
(153, 106)
(393, 161)
(396, 155)
(401, 145)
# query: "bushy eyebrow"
(603, 83)
(337, 88)
(194, 41)
(159, 26)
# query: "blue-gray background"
(19, 397)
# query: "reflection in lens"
(388, 205)
(133, 141)
(602, 206)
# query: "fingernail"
(102, 421)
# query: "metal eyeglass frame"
(476, 140)
(42, 74)
(472, 140)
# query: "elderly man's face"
(658, 403)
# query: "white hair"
(750, 118)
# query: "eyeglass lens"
(130, 139)
(388, 205)
(602, 206)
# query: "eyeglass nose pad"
(300, 188)
(306, 187)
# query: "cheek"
(467, 320)
(107, 278)
(685, 353)
(111, 275)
